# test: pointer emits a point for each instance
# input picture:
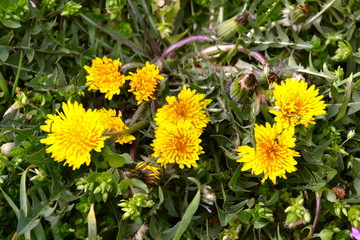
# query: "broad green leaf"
(139, 184)
(10, 24)
(4, 53)
(245, 217)
(124, 185)
(260, 224)
(5, 41)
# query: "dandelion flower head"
(178, 143)
(296, 103)
(189, 107)
(73, 134)
(144, 83)
(273, 155)
(115, 123)
(104, 75)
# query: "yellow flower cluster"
(179, 125)
(75, 132)
(144, 82)
(295, 104)
(105, 75)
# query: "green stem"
(138, 113)
(319, 13)
(132, 129)
(17, 75)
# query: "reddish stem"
(182, 43)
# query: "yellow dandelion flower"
(189, 106)
(104, 75)
(144, 82)
(273, 155)
(112, 122)
(296, 103)
(177, 144)
(73, 134)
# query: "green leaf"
(158, 203)
(330, 195)
(3, 87)
(356, 167)
(245, 217)
(139, 184)
(260, 224)
(11, 24)
(115, 160)
(5, 41)
(39, 232)
(187, 217)
(92, 231)
(124, 185)
(26, 224)
(225, 217)
(312, 155)
(4, 53)
(234, 183)
(23, 198)
(11, 203)
(346, 99)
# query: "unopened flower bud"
(350, 134)
(272, 77)
(97, 190)
(6, 148)
(105, 196)
(207, 196)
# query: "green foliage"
(44, 46)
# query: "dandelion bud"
(229, 27)
(295, 17)
(272, 77)
(300, 14)
(242, 87)
(242, 19)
